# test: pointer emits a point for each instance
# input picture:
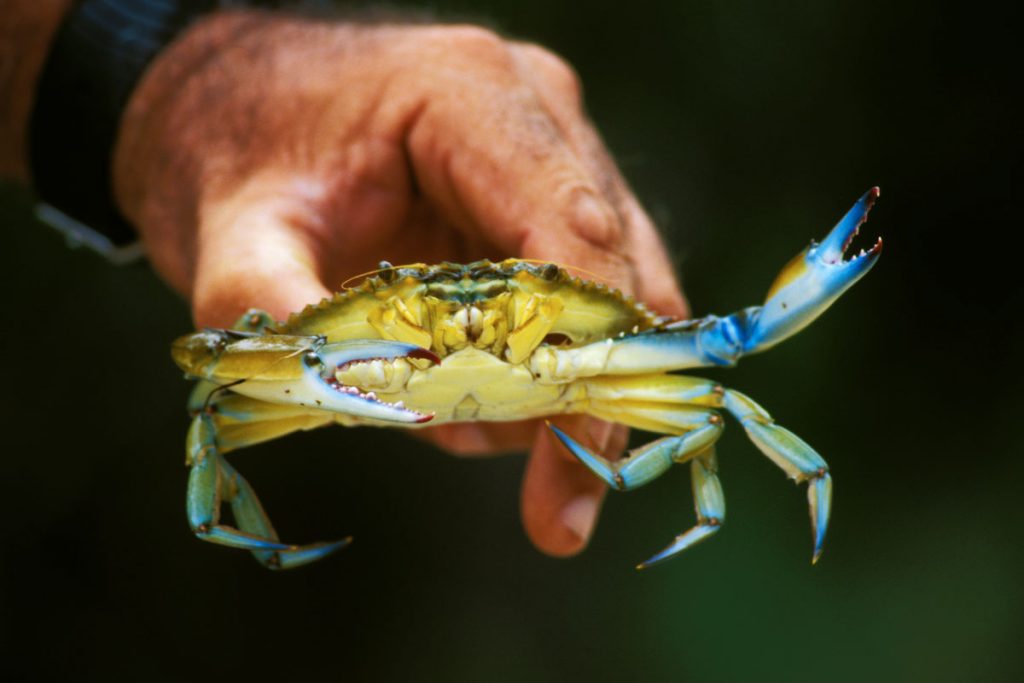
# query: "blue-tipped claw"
(835, 244)
(811, 282)
(353, 350)
(320, 385)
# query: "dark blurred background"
(747, 128)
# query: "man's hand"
(265, 159)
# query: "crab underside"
(421, 344)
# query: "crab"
(511, 340)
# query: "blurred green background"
(746, 128)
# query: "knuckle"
(593, 219)
(555, 70)
(474, 41)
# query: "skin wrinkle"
(412, 181)
(541, 134)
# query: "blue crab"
(501, 341)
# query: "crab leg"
(709, 502)
(792, 455)
(645, 464)
(241, 421)
(808, 285)
(679, 404)
(212, 481)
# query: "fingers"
(494, 162)
(559, 90)
(481, 438)
(253, 253)
(518, 163)
(561, 499)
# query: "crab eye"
(557, 339)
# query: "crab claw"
(327, 393)
(813, 280)
(315, 384)
(356, 350)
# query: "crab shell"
(485, 322)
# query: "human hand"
(265, 159)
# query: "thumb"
(253, 255)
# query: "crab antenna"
(383, 267)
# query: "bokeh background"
(747, 128)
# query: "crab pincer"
(297, 370)
(802, 291)
(813, 280)
(294, 373)
(319, 383)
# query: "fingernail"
(580, 515)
